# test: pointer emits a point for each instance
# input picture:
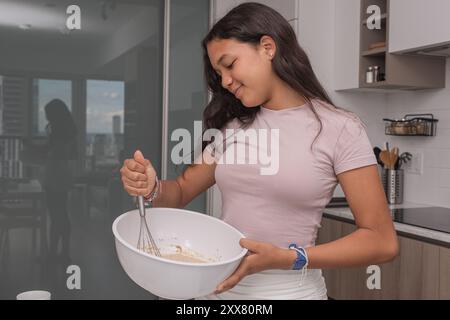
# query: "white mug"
(34, 295)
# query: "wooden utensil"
(394, 157)
(386, 159)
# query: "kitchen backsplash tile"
(433, 187)
(444, 178)
(437, 158)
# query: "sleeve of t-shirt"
(353, 149)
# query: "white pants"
(277, 285)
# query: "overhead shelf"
(374, 52)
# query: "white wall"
(287, 8)
(316, 36)
(433, 186)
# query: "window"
(104, 123)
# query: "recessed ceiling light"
(25, 26)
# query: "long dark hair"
(248, 23)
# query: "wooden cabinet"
(359, 46)
(444, 273)
(417, 24)
(421, 271)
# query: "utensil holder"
(392, 181)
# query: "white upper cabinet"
(287, 8)
(347, 49)
(417, 24)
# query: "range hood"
(439, 51)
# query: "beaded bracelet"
(302, 261)
(152, 196)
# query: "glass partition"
(76, 99)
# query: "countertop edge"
(409, 231)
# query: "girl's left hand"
(261, 256)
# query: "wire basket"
(412, 125)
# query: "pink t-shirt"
(286, 207)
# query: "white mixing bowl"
(199, 235)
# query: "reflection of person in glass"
(62, 132)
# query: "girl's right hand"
(138, 175)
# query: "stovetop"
(433, 218)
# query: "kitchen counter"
(423, 234)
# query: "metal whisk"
(145, 241)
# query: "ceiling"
(46, 44)
(49, 16)
(34, 36)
